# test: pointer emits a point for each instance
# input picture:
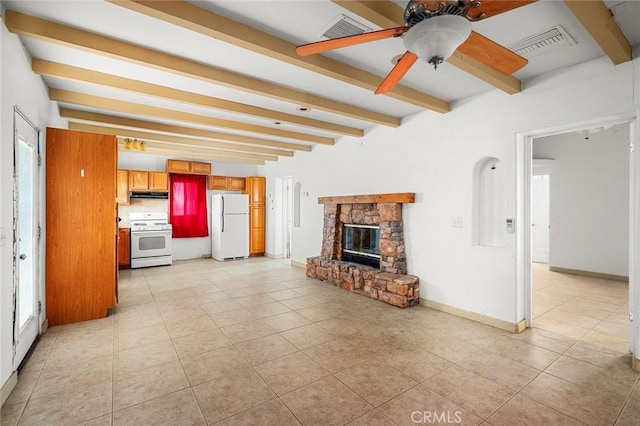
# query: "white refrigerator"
(229, 226)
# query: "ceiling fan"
(433, 30)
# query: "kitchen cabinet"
(81, 224)
(158, 181)
(122, 197)
(124, 248)
(142, 180)
(256, 188)
(226, 183)
(188, 167)
(138, 180)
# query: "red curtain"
(188, 206)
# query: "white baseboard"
(474, 316)
(299, 264)
(590, 274)
(8, 386)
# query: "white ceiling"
(298, 22)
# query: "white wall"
(433, 155)
(182, 248)
(589, 199)
(22, 88)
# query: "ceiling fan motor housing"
(419, 10)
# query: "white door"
(26, 313)
(540, 218)
(287, 216)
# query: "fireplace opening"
(360, 244)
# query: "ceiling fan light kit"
(433, 30)
(435, 39)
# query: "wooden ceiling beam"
(93, 101)
(75, 115)
(197, 19)
(67, 72)
(204, 151)
(177, 140)
(41, 29)
(191, 155)
(598, 20)
(388, 14)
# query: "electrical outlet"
(456, 221)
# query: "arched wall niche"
(489, 203)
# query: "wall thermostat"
(511, 225)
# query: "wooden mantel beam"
(400, 197)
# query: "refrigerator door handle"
(222, 213)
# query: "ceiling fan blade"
(398, 71)
(492, 54)
(495, 7)
(336, 43)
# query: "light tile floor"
(591, 310)
(257, 343)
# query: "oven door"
(150, 244)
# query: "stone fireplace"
(363, 247)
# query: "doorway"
(287, 216)
(283, 217)
(26, 313)
(528, 184)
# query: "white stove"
(150, 239)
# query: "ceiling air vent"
(344, 26)
(543, 42)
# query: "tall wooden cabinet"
(256, 188)
(82, 229)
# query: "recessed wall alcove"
(377, 221)
(489, 203)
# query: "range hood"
(152, 195)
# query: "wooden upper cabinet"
(158, 181)
(201, 168)
(122, 197)
(235, 183)
(142, 180)
(226, 183)
(188, 167)
(178, 166)
(217, 182)
(138, 180)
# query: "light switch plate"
(3, 236)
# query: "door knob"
(23, 256)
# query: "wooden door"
(138, 180)
(124, 248)
(256, 230)
(123, 187)
(258, 190)
(158, 181)
(81, 228)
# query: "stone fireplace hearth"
(389, 281)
